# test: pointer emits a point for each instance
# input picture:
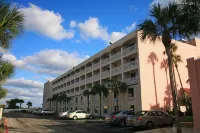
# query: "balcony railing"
(115, 56)
(129, 50)
(81, 82)
(105, 61)
(97, 65)
(89, 69)
(130, 65)
(105, 74)
(88, 80)
(131, 81)
(116, 70)
(96, 77)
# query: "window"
(152, 113)
(76, 108)
(115, 95)
(132, 107)
(130, 92)
(161, 113)
(81, 99)
(105, 109)
(67, 108)
(71, 109)
(84, 112)
(132, 59)
(133, 75)
(115, 108)
(96, 110)
(63, 109)
(78, 111)
(131, 113)
(76, 99)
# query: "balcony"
(130, 65)
(82, 82)
(131, 81)
(88, 80)
(88, 69)
(96, 77)
(97, 65)
(105, 74)
(116, 70)
(82, 72)
(129, 50)
(115, 56)
(105, 61)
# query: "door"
(153, 116)
(84, 114)
(164, 119)
(79, 114)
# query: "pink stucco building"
(194, 79)
(141, 64)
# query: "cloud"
(23, 83)
(131, 27)
(73, 24)
(49, 61)
(116, 36)
(163, 2)
(132, 8)
(45, 22)
(91, 28)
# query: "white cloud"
(49, 61)
(91, 28)
(73, 24)
(116, 36)
(163, 2)
(45, 22)
(23, 83)
(131, 27)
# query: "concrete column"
(194, 79)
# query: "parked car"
(118, 117)
(64, 114)
(80, 114)
(30, 111)
(148, 119)
(46, 112)
(38, 111)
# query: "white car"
(64, 114)
(46, 112)
(80, 114)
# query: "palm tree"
(166, 23)
(100, 89)
(117, 87)
(49, 100)
(55, 98)
(87, 93)
(3, 92)
(6, 70)
(29, 104)
(20, 102)
(64, 99)
(11, 23)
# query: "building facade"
(141, 64)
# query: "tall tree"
(167, 23)
(29, 104)
(3, 92)
(117, 87)
(11, 23)
(55, 98)
(20, 102)
(100, 89)
(87, 94)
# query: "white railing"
(81, 82)
(115, 56)
(130, 65)
(105, 74)
(97, 65)
(96, 77)
(131, 81)
(88, 80)
(105, 61)
(116, 70)
(88, 69)
(129, 50)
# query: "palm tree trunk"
(176, 91)
(154, 79)
(117, 102)
(168, 51)
(180, 83)
(100, 104)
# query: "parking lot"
(30, 123)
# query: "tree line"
(12, 103)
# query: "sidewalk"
(170, 130)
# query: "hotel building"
(141, 64)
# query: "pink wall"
(155, 52)
(194, 78)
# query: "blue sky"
(61, 34)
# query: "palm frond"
(7, 70)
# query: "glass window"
(131, 113)
(161, 113)
(105, 109)
(141, 113)
(125, 113)
(81, 99)
(115, 107)
(152, 113)
(71, 109)
(132, 107)
(115, 113)
(76, 108)
(78, 112)
(96, 110)
(115, 95)
(130, 92)
(84, 112)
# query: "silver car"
(149, 119)
(118, 117)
